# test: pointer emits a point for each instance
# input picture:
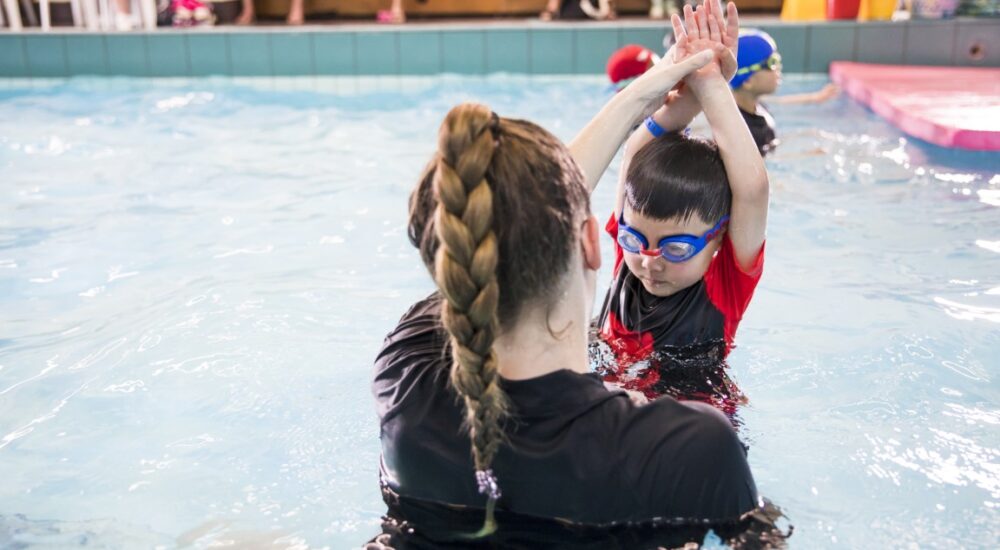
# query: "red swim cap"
(629, 62)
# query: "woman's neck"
(544, 342)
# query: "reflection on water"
(688, 373)
(434, 525)
(196, 275)
(19, 531)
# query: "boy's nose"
(652, 263)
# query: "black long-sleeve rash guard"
(575, 450)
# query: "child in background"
(688, 226)
(628, 63)
(759, 74)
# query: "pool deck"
(479, 46)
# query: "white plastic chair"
(13, 15)
(90, 15)
(45, 12)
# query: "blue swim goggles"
(674, 248)
(771, 63)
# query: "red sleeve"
(729, 287)
(612, 229)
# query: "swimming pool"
(195, 276)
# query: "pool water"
(196, 275)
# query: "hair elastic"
(488, 483)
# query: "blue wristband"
(654, 128)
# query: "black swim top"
(576, 450)
(761, 126)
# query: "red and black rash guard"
(574, 450)
(674, 345)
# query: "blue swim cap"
(754, 47)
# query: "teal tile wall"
(833, 42)
(592, 49)
(292, 54)
(534, 49)
(507, 51)
(420, 53)
(551, 51)
(651, 38)
(127, 54)
(463, 52)
(793, 43)
(46, 55)
(208, 54)
(977, 43)
(881, 43)
(250, 54)
(13, 59)
(377, 53)
(333, 53)
(168, 54)
(86, 55)
(929, 43)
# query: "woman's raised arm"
(598, 141)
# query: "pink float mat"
(947, 106)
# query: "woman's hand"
(598, 141)
(654, 85)
(380, 542)
(707, 28)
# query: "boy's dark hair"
(675, 176)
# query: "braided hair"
(494, 218)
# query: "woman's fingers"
(680, 35)
(732, 26)
(719, 12)
(689, 23)
(713, 29)
(699, 14)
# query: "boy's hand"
(637, 398)
(706, 28)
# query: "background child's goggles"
(771, 63)
(675, 248)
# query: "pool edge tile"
(45, 55)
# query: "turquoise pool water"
(195, 277)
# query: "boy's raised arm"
(744, 165)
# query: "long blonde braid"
(465, 269)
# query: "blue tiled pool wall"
(561, 49)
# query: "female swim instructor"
(487, 406)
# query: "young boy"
(759, 74)
(689, 228)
